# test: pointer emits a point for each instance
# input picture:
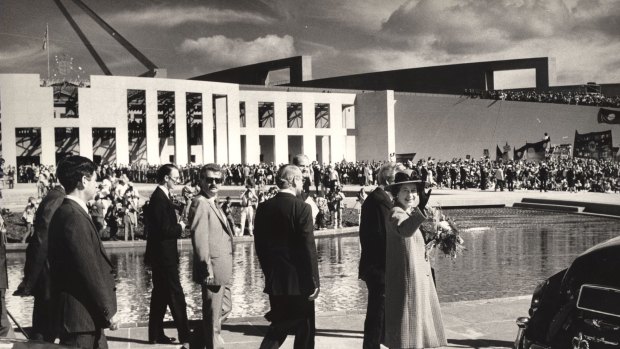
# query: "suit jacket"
(374, 222)
(37, 268)
(83, 289)
(164, 230)
(284, 241)
(212, 242)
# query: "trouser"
(86, 340)
(511, 185)
(129, 231)
(499, 184)
(42, 320)
(212, 311)
(543, 184)
(247, 212)
(375, 313)
(6, 330)
(167, 291)
(292, 313)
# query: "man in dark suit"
(82, 278)
(374, 220)
(36, 280)
(286, 250)
(213, 254)
(162, 255)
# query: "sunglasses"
(215, 180)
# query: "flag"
(608, 116)
(536, 151)
(531, 151)
(498, 153)
(518, 153)
(593, 145)
(45, 40)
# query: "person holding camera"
(336, 206)
(249, 201)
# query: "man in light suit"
(163, 256)
(286, 250)
(83, 287)
(213, 254)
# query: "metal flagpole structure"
(47, 47)
(47, 39)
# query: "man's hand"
(424, 196)
(314, 294)
(209, 280)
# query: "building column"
(308, 130)
(281, 135)
(152, 128)
(85, 141)
(234, 130)
(337, 144)
(122, 141)
(180, 128)
(252, 143)
(221, 129)
(48, 146)
(208, 151)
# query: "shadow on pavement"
(481, 343)
(126, 340)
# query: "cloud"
(468, 26)
(163, 16)
(223, 51)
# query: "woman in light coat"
(412, 314)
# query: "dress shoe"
(163, 340)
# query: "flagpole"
(47, 40)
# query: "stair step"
(549, 207)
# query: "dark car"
(579, 307)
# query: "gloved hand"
(424, 196)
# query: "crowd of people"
(558, 97)
(68, 272)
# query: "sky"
(343, 37)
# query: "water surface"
(508, 252)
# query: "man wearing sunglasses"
(213, 258)
(161, 253)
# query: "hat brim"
(415, 181)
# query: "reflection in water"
(521, 248)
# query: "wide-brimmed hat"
(404, 177)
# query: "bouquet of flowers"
(442, 234)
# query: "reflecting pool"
(508, 252)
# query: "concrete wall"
(374, 121)
(445, 126)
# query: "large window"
(242, 119)
(65, 100)
(136, 125)
(266, 115)
(294, 117)
(321, 115)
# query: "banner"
(518, 153)
(593, 145)
(531, 151)
(608, 116)
(562, 151)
